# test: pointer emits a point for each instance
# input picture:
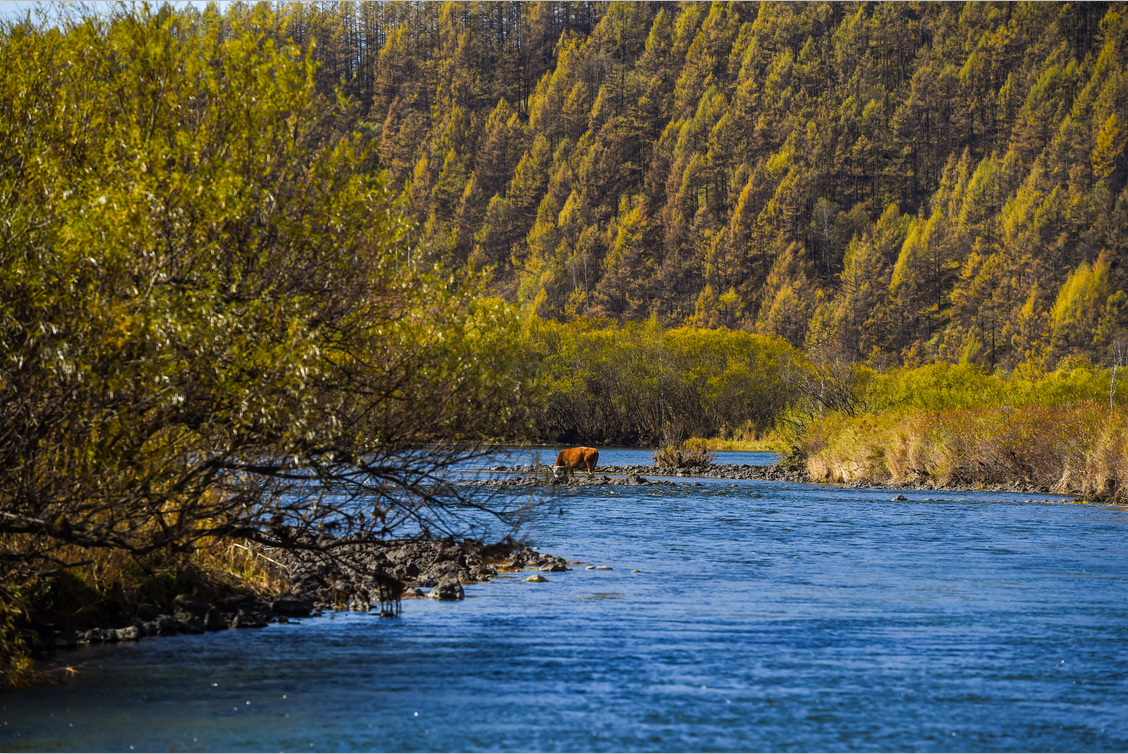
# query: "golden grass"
(771, 443)
(1074, 450)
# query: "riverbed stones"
(448, 590)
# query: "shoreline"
(346, 574)
(371, 575)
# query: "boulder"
(292, 607)
(449, 589)
(94, 636)
(249, 619)
(536, 578)
(190, 624)
(553, 567)
(412, 593)
(443, 571)
(215, 620)
(129, 633)
(900, 499)
(166, 625)
(406, 571)
(190, 605)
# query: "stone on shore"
(129, 633)
(215, 620)
(449, 589)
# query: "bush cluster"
(694, 453)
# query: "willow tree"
(212, 318)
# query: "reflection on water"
(765, 616)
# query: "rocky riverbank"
(541, 476)
(533, 476)
(358, 573)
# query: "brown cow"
(576, 458)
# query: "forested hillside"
(905, 182)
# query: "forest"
(902, 183)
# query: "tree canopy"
(214, 319)
(908, 182)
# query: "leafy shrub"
(689, 455)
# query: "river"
(763, 616)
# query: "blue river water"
(738, 616)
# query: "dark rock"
(215, 620)
(292, 607)
(190, 605)
(553, 568)
(166, 625)
(412, 593)
(120, 620)
(448, 554)
(64, 638)
(190, 624)
(147, 612)
(447, 590)
(93, 636)
(443, 571)
(900, 499)
(248, 619)
(406, 571)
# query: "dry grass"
(1076, 450)
(768, 444)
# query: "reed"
(1076, 450)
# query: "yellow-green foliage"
(939, 387)
(1079, 449)
(638, 383)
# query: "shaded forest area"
(899, 182)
